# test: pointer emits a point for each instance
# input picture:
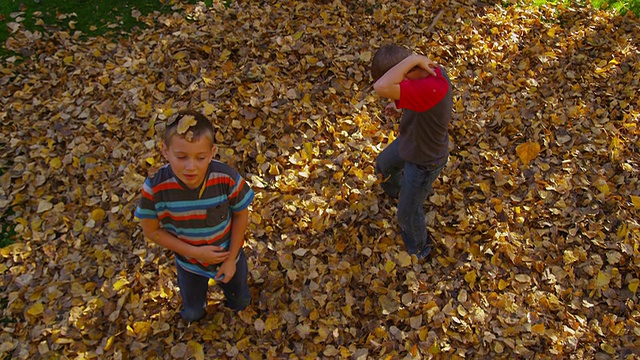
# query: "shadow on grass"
(110, 18)
(7, 229)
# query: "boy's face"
(417, 73)
(189, 160)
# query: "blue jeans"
(415, 181)
(193, 289)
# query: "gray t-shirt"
(424, 127)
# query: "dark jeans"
(415, 181)
(193, 289)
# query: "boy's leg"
(416, 186)
(389, 166)
(236, 292)
(193, 289)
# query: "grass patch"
(620, 6)
(7, 230)
(3, 305)
(90, 17)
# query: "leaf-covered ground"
(536, 213)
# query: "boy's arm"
(389, 84)
(206, 254)
(239, 223)
(152, 230)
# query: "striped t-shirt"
(195, 218)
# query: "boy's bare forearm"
(239, 223)
(389, 84)
(396, 74)
(165, 239)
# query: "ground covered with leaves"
(535, 215)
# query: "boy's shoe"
(426, 250)
(237, 305)
(191, 317)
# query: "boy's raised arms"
(388, 85)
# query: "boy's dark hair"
(387, 57)
(202, 127)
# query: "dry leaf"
(185, 123)
(528, 151)
(532, 256)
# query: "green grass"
(7, 232)
(90, 17)
(620, 6)
(7, 228)
(112, 18)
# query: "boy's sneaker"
(192, 318)
(426, 250)
(237, 305)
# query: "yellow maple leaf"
(608, 348)
(185, 123)
(196, 350)
(35, 309)
(209, 108)
(404, 259)
(602, 186)
(44, 205)
(389, 266)
(471, 277)
(307, 151)
(602, 280)
(365, 56)
(180, 55)
(537, 328)
(502, 284)
(635, 200)
(189, 136)
(141, 327)
(120, 284)
(633, 285)
(55, 163)
(551, 32)
(528, 151)
(273, 169)
(272, 322)
(98, 214)
(109, 343)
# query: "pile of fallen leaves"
(535, 215)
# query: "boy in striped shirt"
(197, 207)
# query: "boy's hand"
(427, 64)
(211, 254)
(226, 271)
(411, 68)
(392, 110)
